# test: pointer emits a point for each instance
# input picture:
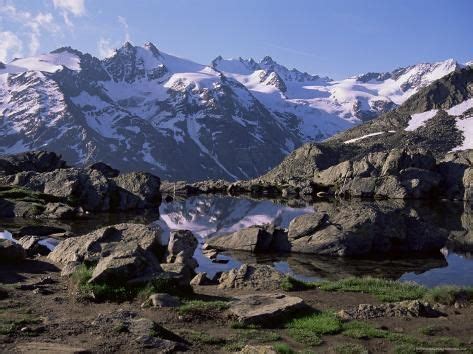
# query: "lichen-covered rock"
(256, 277)
(409, 308)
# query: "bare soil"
(51, 313)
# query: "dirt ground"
(53, 314)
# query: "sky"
(336, 38)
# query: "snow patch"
(419, 119)
(362, 137)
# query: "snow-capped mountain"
(142, 109)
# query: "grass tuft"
(201, 308)
(282, 348)
(350, 348)
(383, 289)
(448, 294)
(308, 330)
(291, 284)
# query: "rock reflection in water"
(208, 216)
(313, 267)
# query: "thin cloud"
(126, 28)
(105, 47)
(10, 45)
(32, 24)
(75, 7)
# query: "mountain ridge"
(143, 109)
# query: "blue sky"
(337, 38)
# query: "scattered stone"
(201, 279)
(264, 308)
(105, 169)
(256, 277)
(162, 300)
(413, 308)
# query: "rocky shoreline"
(141, 288)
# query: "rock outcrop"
(129, 254)
(343, 229)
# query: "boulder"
(264, 308)
(162, 300)
(358, 229)
(122, 253)
(105, 169)
(257, 238)
(409, 308)
(305, 225)
(11, 252)
(32, 246)
(256, 277)
(37, 161)
(201, 279)
(181, 248)
(142, 190)
(60, 211)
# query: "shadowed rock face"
(345, 229)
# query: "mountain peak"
(67, 49)
(152, 48)
(267, 60)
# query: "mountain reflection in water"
(208, 216)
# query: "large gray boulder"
(264, 308)
(257, 238)
(255, 277)
(138, 190)
(357, 229)
(122, 253)
(305, 225)
(181, 248)
(37, 161)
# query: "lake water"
(209, 216)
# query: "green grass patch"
(350, 348)
(283, 348)
(448, 294)
(200, 308)
(203, 338)
(383, 289)
(309, 329)
(291, 284)
(432, 330)
(16, 321)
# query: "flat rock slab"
(50, 348)
(263, 308)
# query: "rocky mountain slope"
(142, 109)
(422, 149)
